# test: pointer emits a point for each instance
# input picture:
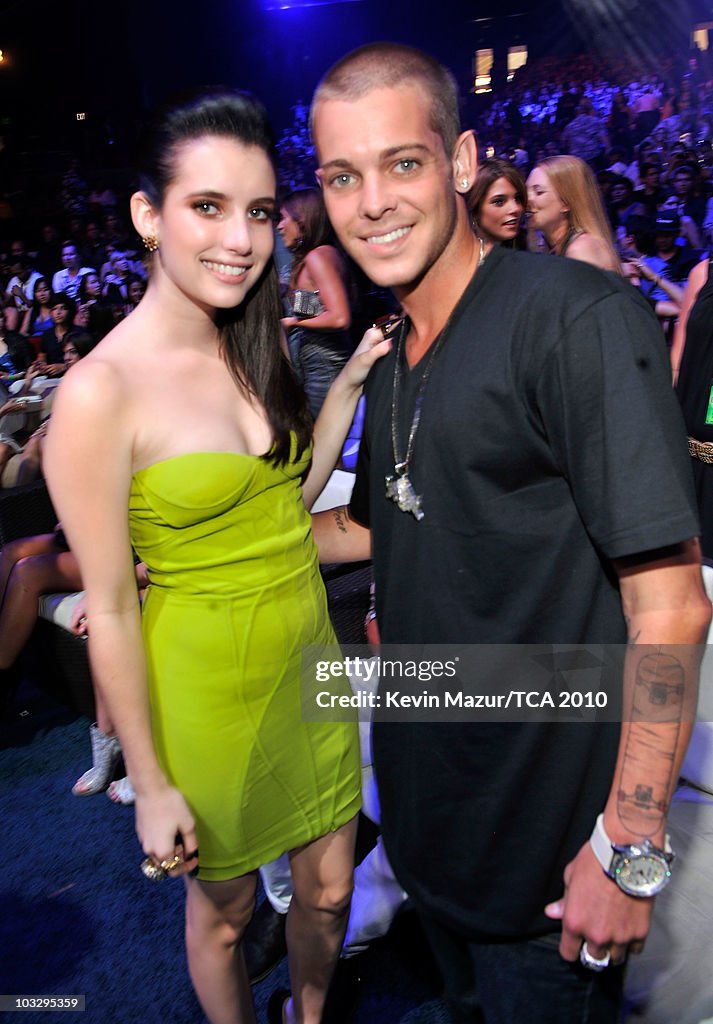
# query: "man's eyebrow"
(386, 154)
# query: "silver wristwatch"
(639, 869)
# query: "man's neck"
(429, 304)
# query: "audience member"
(585, 136)
(51, 356)
(38, 318)
(319, 312)
(564, 204)
(21, 286)
(650, 193)
(15, 353)
(497, 203)
(67, 280)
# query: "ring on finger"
(153, 870)
(593, 963)
(169, 865)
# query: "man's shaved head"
(389, 65)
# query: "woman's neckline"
(184, 455)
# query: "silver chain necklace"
(398, 485)
(399, 488)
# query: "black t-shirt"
(51, 347)
(549, 444)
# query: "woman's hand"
(336, 414)
(373, 346)
(78, 619)
(289, 322)
(166, 829)
(645, 270)
(12, 405)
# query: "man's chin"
(385, 274)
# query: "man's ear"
(465, 162)
(143, 215)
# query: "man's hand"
(595, 910)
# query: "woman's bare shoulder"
(323, 255)
(103, 378)
(590, 249)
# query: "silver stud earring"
(465, 183)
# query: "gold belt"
(702, 450)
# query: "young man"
(523, 476)
(68, 279)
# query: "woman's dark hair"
(307, 209)
(621, 180)
(100, 320)
(488, 173)
(250, 333)
(35, 302)
(82, 340)
(82, 294)
(62, 299)
(134, 279)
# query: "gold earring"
(151, 243)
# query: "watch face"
(642, 875)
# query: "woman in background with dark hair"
(497, 203)
(38, 318)
(191, 409)
(318, 329)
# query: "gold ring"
(169, 865)
(154, 871)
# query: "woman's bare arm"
(696, 279)
(88, 470)
(338, 410)
(323, 270)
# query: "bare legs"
(217, 914)
(28, 568)
(6, 453)
(322, 874)
(30, 467)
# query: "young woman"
(498, 202)
(564, 204)
(192, 411)
(319, 337)
(38, 318)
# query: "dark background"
(112, 61)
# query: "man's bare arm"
(339, 538)
(667, 614)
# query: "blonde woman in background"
(565, 206)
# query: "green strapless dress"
(235, 594)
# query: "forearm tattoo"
(652, 740)
(341, 518)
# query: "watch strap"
(604, 849)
